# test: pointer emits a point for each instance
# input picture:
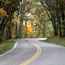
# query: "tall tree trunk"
(26, 29)
(20, 28)
(63, 18)
(16, 33)
(2, 27)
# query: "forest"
(31, 19)
(32, 32)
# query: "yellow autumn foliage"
(30, 1)
(3, 12)
(29, 30)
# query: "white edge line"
(9, 50)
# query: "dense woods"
(31, 18)
(56, 14)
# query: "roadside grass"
(56, 40)
(5, 46)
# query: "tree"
(56, 9)
(7, 14)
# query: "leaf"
(3, 12)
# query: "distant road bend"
(34, 52)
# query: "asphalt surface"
(50, 54)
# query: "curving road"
(34, 52)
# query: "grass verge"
(5, 46)
(56, 40)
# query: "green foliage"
(37, 13)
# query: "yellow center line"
(33, 57)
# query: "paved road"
(34, 52)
